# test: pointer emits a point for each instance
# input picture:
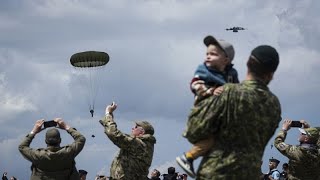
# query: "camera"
(296, 124)
(50, 123)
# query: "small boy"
(208, 78)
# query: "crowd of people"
(229, 125)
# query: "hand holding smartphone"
(297, 124)
(50, 123)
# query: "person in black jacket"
(4, 176)
(172, 175)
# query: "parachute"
(90, 63)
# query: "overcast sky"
(154, 48)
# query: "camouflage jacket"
(135, 155)
(304, 160)
(241, 120)
(53, 163)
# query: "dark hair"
(157, 172)
(171, 170)
(258, 70)
(286, 165)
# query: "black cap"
(267, 55)
(81, 171)
(274, 160)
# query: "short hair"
(171, 170)
(256, 68)
(286, 165)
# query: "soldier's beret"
(146, 126)
(267, 55)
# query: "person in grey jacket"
(53, 162)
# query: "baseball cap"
(267, 55)
(146, 126)
(53, 136)
(224, 45)
(313, 133)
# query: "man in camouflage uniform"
(304, 159)
(53, 162)
(241, 119)
(136, 150)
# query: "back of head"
(171, 170)
(53, 137)
(263, 60)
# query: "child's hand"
(218, 91)
(199, 87)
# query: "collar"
(308, 146)
(255, 83)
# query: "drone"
(235, 29)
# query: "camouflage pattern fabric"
(241, 120)
(53, 163)
(318, 142)
(135, 155)
(304, 161)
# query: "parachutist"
(91, 111)
(89, 62)
(93, 135)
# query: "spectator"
(304, 159)
(284, 173)
(172, 175)
(13, 178)
(136, 150)
(155, 175)
(182, 177)
(213, 73)
(53, 162)
(273, 174)
(4, 176)
(83, 174)
(241, 119)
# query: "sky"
(154, 48)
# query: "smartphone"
(51, 123)
(296, 124)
